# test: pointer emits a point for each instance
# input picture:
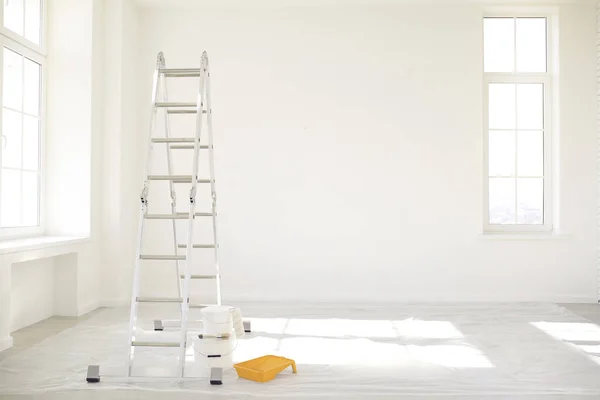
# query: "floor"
(43, 332)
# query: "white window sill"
(525, 236)
(39, 242)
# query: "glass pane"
(13, 80)
(530, 153)
(531, 44)
(30, 199)
(10, 199)
(31, 147)
(502, 153)
(33, 20)
(11, 132)
(502, 105)
(13, 15)
(530, 195)
(31, 92)
(499, 44)
(502, 201)
(530, 106)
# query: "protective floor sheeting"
(341, 352)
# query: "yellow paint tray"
(263, 369)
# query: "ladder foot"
(247, 327)
(93, 374)
(158, 325)
(216, 376)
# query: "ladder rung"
(200, 305)
(176, 178)
(175, 104)
(182, 111)
(177, 216)
(200, 277)
(154, 257)
(138, 343)
(187, 147)
(174, 140)
(181, 72)
(159, 299)
(197, 246)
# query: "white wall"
(68, 284)
(349, 154)
(120, 159)
(32, 293)
(598, 132)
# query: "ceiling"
(330, 3)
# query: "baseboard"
(115, 302)
(430, 299)
(6, 343)
(88, 308)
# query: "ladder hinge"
(173, 198)
(193, 195)
(144, 195)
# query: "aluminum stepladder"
(201, 108)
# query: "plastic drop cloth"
(342, 352)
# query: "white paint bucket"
(216, 321)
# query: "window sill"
(39, 242)
(525, 236)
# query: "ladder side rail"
(143, 209)
(171, 184)
(185, 305)
(213, 189)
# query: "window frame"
(36, 53)
(546, 79)
(42, 47)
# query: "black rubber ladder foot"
(93, 374)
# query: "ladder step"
(182, 111)
(174, 140)
(155, 257)
(159, 299)
(177, 216)
(175, 104)
(186, 147)
(200, 305)
(200, 277)
(181, 72)
(176, 178)
(138, 343)
(197, 246)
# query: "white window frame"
(36, 53)
(547, 79)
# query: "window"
(517, 123)
(22, 60)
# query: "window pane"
(13, 15)
(33, 20)
(502, 153)
(30, 199)
(531, 44)
(13, 80)
(530, 106)
(531, 153)
(31, 143)
(10, 196)
(502, 201)
(530, 195)
(31, 92)
(11, 130)
(499, 44)
(502, 106)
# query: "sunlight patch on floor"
(409, 328)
